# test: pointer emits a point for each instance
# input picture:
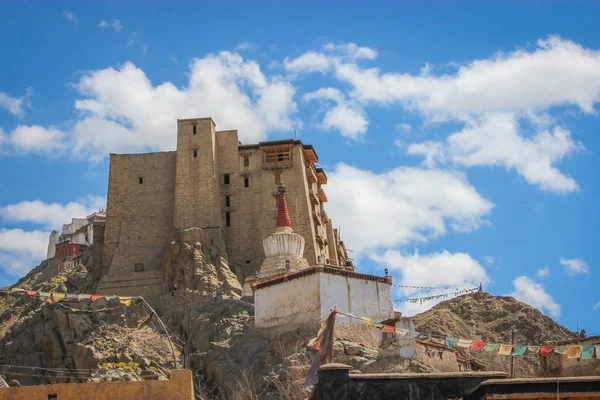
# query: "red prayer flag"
(97, 297)
(388, 328)
(478, 345)
(31, 292)
(545, 350)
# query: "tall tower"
(197, 189)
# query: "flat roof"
(472, 374)
(278, 143)
(324, 269)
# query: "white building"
(79, 231)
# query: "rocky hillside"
(490, 318)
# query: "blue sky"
(460, 141)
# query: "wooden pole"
(164, 328)
(512, 358)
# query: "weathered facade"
(215, 183)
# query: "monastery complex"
(260, 205)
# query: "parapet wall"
(179, 387)
(300, 299)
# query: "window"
(227, 218)
(139, 267)
(227, 201)
(52, 397)
(226, 179)
(194, 129)
(195, 153)
(246, 181)
(277, 156)
(141, 180)
(246, 161)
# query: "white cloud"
(122, 111)
(543, 272)
(331, 55)
(596, 306)
(114, 24)
(535, 295)
(37, 139)
(404, 128)
(20, 250)
(347, 116)
(70, 15)
(574, 266)
(490, 96)
(557, 72)
(243, 46)
(401, 206)
(445, 269)
(494, 140)
(16, 105)
(53, 215)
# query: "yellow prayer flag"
(126, 300)
(58, 296)
(505, 350)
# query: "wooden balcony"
(322, 195)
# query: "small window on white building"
(141, 180)
(139, 267)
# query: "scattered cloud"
(543, 272)
(243, 46)
(70, 15)
(574, 266)
(401, 206)
(16, 105)
(50, 215)
(233, 91)
(21, 250)
(596, 306)
(503, 103)
(535, 295)
(347, 116)
(445, 269)
(114, 24)
(329, 56)
(404, 128)
(490, 260)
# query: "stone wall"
(179, 387)
(336, 383)
(139, 218)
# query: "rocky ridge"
(482, 316)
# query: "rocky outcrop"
(79, 340)
(196, 265)
(490, 318)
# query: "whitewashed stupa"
(284, 249)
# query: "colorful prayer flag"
(561, 350)
(574, 352)
(96, 297)
(31, 293)
(505, 349)
(321, 357)
(126, 300)
(451, 342)
(388, 329)
(533, 349)
(58, 296)
(464, 343)
(478, 345)
(493, 347)
(587, 351)
(545, 350)
(518, 350)
(597, 351)
(72, 296)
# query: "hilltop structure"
(225, 188)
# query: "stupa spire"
(284, 223)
